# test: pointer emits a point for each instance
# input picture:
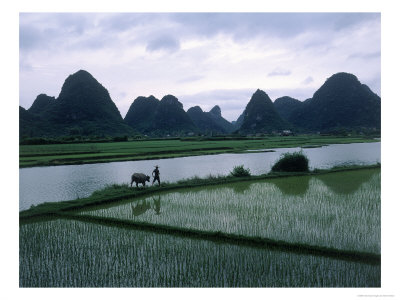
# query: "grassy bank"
(68, 154)
(117, 192)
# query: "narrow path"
(354, 256)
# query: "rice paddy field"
(298, 209)
(335, 212)
(71, 253)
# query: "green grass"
(65, 253)
(64, 154)
(319, 210)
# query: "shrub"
(291, 162)
(120, 138)
(240, 171)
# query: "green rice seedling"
(65, 253)
(303, 210)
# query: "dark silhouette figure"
(157, 205)
(142, 206)
(156, 175)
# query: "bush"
(120, 138)
(240, 171)
(291, 162)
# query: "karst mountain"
(84, 107)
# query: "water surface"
(60, 183)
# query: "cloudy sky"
(202, 58)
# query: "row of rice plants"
(316, 215)
(65, 253)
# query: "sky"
(203, 59)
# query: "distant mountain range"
(84, 107)
(210, 122)
(159, 117)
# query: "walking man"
(156, 175)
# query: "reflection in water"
(293, 186)
(237, 187)
(347, 182)
(302, 209)
(157, 205)
(142, 206)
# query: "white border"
(9, 125)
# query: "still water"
(59, 183)
(266, 208)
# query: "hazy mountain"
(31, 125)
(202, 120)
(170, 117)
(151, 116)
(83, 107)
(341, 102)
(260, 115)
(140, 115)
(236, 124)
(41, 104)
(216, 115)
(286, 105)
(209, 122)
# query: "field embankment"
(76, 153)
(117, 192)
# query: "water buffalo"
(140, 208)
(139, 178)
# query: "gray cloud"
(279, 72)
(311, 43)
(361, 55)
(51, 29)
(234, 101)
(28, 37)
(375, 84)
(190, 79)
(125, 21)
(231, 101)
(308, 80)
(348, 20)
(284, 25)
(168, 43)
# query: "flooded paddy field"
(338, 211)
